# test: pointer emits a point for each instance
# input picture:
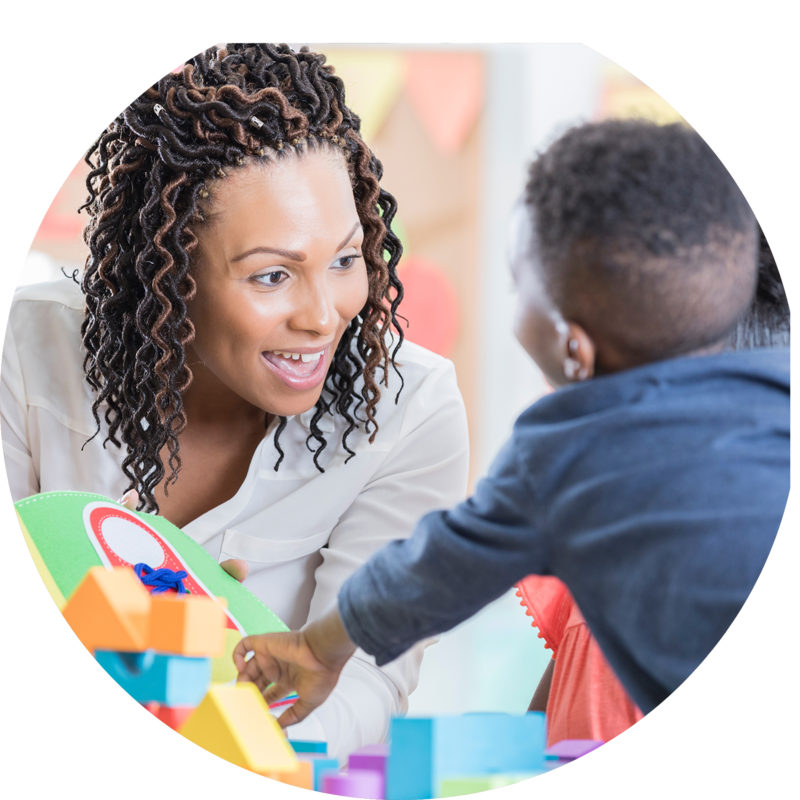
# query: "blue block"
(148, 676)
(321, 765)
(302, 746)
(424, 750)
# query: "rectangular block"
(424, 751)
(302, 775)
(154, 677)
(304, 746)
(321, 765)
(373, 758)
(187, 624)
(570, 749)
(469, 784)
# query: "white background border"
(730, 68)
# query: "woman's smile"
(299, 369)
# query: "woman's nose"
(315, 310)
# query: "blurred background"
(454, 129)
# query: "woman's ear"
(579, 355)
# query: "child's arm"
(455, 563)
(307, 661)
(542, 693)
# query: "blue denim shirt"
(655, 494)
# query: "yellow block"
(234, 723)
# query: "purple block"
(570, 749)
(373, 757)
(364, 783)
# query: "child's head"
(633, 244)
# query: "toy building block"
(174, 716)
(354, 783)
(570, 749)
(234, 722)
(110, 610)
(302, 776)
(372, 757)
(469, 784)
(308, 746)
(156, 677)
(321, 765)
(187, 624)
(426, 750)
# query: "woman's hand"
(307, 662)
(236, 567)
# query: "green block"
(469, 784)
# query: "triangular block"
(110, 610)
(234, 723)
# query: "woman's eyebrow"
(292, 255)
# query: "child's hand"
(307, 662)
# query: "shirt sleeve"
(426, 469)
(455, 563)
(23, 479)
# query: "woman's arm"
(22, 477)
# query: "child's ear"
(579, 355)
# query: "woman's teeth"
(305, 357)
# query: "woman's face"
(279, 275)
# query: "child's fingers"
(294, 714)
(240, 653)
(276, 691)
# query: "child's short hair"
(644, 238)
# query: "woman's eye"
(345, 262)
(273, 278)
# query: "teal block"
(424, 751)
(302, 746)
(321, 765)
(148, 676)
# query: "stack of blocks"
(445, 756)
(159, 649)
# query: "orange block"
(187, 624)
(234, 722)
(110, 610)
(302, 776)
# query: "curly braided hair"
(226, 107)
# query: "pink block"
(365, 783)
(569, 749)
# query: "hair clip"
(157, 109)
(279, 145)
(220, 172)
(256, 122)
(203, 192)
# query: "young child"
(579, 691)
(651, 482)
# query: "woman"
(233, 354)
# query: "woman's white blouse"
(303, 532)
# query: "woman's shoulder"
(49, 296)
(416, 365)
(43, 343)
